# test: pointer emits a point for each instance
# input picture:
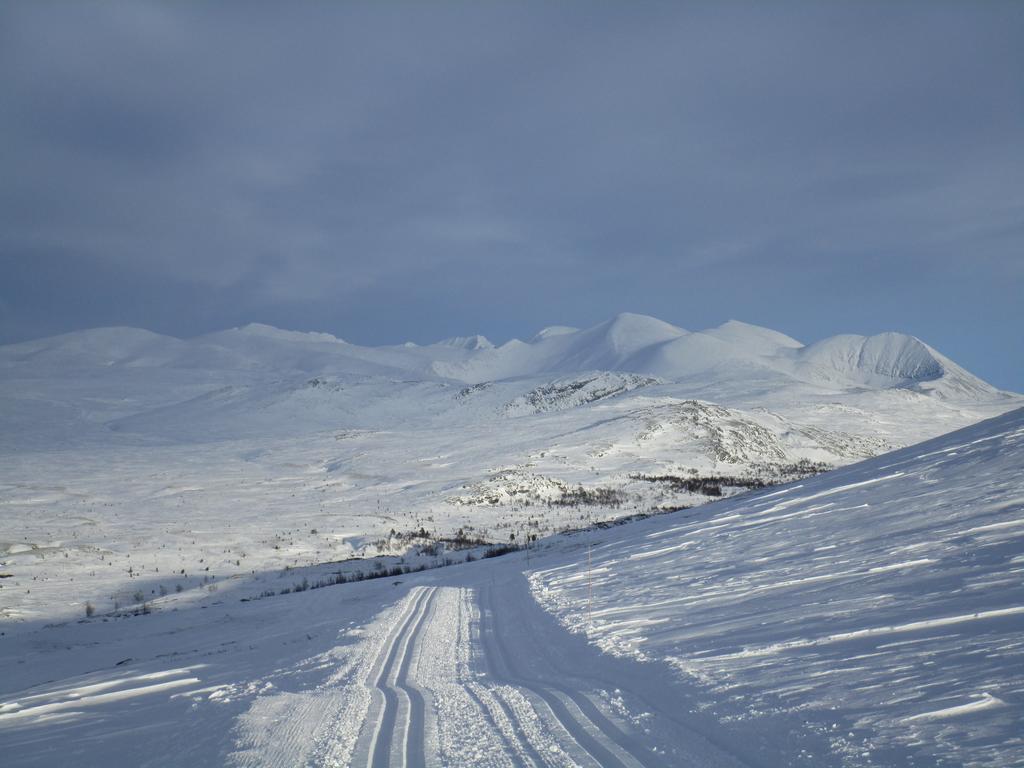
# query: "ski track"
(390, 744)
(591, 734)
(502, 707)
(497, 716)
(456, 675)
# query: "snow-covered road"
(453, 667)
(473, 672)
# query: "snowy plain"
(865, 616)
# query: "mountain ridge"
(626, 343)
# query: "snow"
(202, 477)
(259, 442)
(797, 652)
(755, 338)
(468, 342)
(626, 343)
(98, 346)
(803, 599)
(553, 330)
(887, 357)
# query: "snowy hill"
(863, 617)
(144, 473)
(883, 601)
(94, 348)
(257, 436)
(888, 360)
(626, 343)
(95, 385)
(468, 342)
(575, 391)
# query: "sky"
(411, 171)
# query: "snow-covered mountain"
(115, 383)
(626, 343)
(631, 415)
(142, 470)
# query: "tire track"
(518, 751)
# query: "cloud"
(581, 158)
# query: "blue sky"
(413, 171)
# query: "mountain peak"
(471, 343)
(551, 331)
(753, 337)
(632, 331)
(895, 357)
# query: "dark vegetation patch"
(580, 496)
(707, 486)
(713, 485)
(381, 571)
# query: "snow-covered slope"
(883, 602)
(468, 342)
(887, 360)
(575, 391)
(94, 348)
(870, 616)
(189, 474)
(115, 438)
(626, 343)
